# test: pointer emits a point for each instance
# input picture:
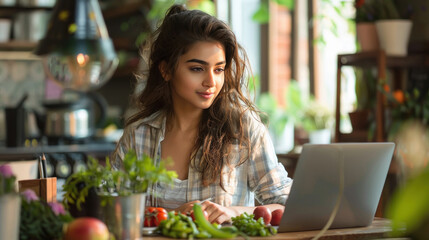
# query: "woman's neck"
(184, 121)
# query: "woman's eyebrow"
(204, 62)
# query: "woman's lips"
(206, 95)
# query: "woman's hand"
(217, 213)
(220, 214)
(186, 208)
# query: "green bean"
(206, 225)
(247, 224)
(192, 225)
(203, 234)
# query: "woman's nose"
(209, 80)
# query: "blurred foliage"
(327, 20)
(262, 15)
(278, 116)
(405, 106)
(160, 7)
(316, 116)
(365, 88)
(409, 208)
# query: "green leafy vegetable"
(134, 177)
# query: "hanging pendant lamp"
(77, 51)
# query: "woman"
(193, 110)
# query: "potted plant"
(278, 122)
(405, 107)
(317, 121)
(281, 119)
(120, 193)
(393, 28)
(41, 220)
(366, 33)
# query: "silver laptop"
(358, 170)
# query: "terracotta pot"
(367, 37)
(359, 119)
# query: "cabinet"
(382, 63)
(27, 23)
(116, 15)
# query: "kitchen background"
(22, 73)
(23, 80)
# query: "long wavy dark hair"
(222, 123)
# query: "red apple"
(262, 212)
(86, 228)
(276, 217)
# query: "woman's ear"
(164, 72)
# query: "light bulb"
(82, 71)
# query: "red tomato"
(276, 217)
(206, 215)
(262, 212)
(153, 216)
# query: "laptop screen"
(344, 178)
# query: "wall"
(17, 78)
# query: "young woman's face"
(199, 76)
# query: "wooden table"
(379, 228)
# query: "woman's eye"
(197, 69)
(219, 70)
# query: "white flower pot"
(283, 141)
(322, 136)
(394, 36)
(10, 209)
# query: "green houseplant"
(281, 119)
(317, 121)
(41, 220)
(119, 193)
(24, 215)
(316, 116)
(135, 177)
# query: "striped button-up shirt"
(261, 177)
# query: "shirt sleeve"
(125, 143)
(267, 178)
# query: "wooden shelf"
(369, 59)
(355, 136)
(381, 62)
(9, 11)
(18, 45)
